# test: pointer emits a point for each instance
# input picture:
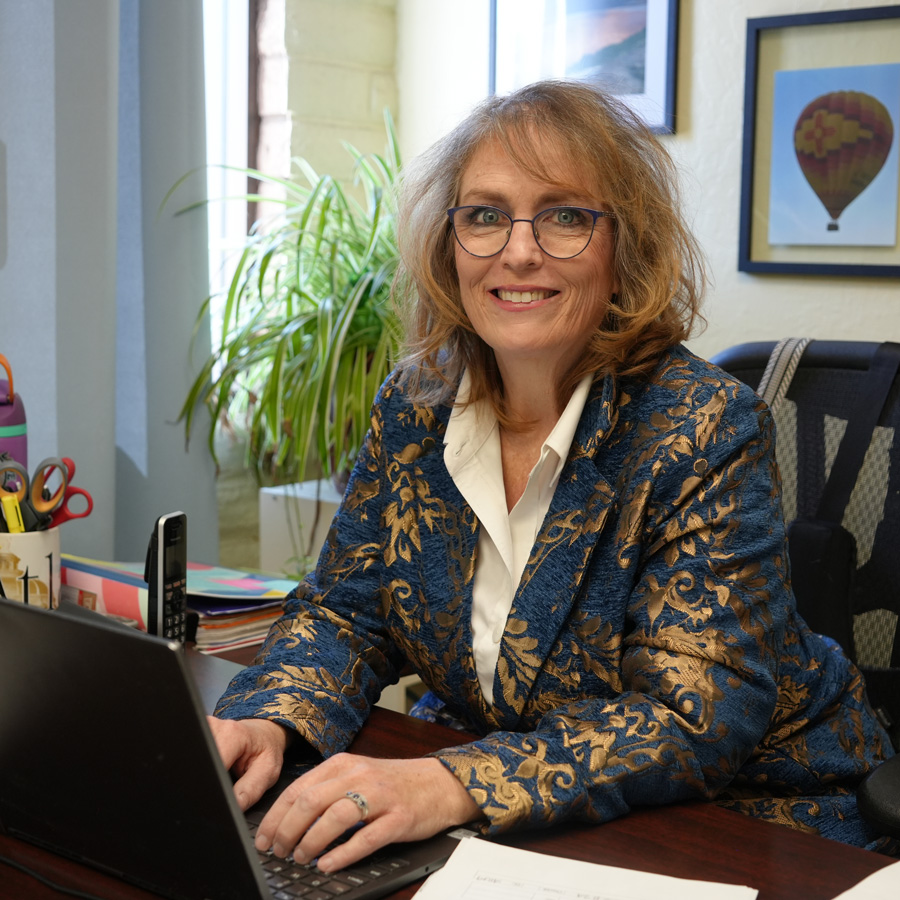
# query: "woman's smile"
(523, 296)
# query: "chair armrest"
(878, 798)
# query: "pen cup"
(30, 567)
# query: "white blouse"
(473, 459)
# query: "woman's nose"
(522, 247)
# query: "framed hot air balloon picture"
(628, 46)
(820, 189)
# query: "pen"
(12, 512)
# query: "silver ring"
(360, 801)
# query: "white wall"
(443, 53)
(442, 70)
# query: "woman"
(565, 522)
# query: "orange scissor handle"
(42, 500)
(11, 395)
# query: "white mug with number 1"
(30, 567)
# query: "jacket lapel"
(442, 533)
(559, 559)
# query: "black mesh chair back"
(811, 420)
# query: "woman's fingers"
(362, 843)
(314, 818)
(294, 812)
(393, 800)
(253, 749)
(338, 821)
(256, 780)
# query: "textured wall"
(342, 76)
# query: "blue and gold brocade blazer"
(653, 652)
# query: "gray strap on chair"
(863, 418)
(783, 362)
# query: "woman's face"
(528, 306)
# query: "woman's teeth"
(523, 296)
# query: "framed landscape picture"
(628, 47)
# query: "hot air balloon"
(842, 140)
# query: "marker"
(12, 512)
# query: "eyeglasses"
(561, 232)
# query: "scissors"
(62, 513)
(43, 506)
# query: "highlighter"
(12, 512)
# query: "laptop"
(106, 758)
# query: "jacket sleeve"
(326, 660)
(700, 526)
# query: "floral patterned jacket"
(653, 652)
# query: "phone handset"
(165, 572)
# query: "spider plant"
(307, 333)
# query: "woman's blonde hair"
(658, 265)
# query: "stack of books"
(217, 624)
(227, 608)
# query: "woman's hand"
(407, 800)
(253, 749)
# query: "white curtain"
(101, 113)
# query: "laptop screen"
(105, 757)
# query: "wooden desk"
(690, 840)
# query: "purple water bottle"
(13, 433)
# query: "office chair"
(829, 383)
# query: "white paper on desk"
(480, 870)
(881, 885)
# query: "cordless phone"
(166, 575)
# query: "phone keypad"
(175, 620)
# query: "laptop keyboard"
(289, 880)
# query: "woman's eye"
(486, 216)
(567, 216)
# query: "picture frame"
(629, 47)
(802, 71)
